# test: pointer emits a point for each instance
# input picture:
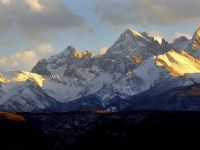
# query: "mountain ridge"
(134, 64)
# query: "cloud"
(157, 36)
(36, 20)
(170, 38)
(155, 12)
(35, 5)
(103, 50)
(5, 2)
(26, 23)
(25, 59)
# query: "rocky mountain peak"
(164, 43)
(82, 54)
(68, 51)
(196, 40)
(72, 53)
(180, 39)
(132, 42)
(129, 41)
(131, 33)
(181, 43)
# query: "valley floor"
(99, 129)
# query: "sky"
(34, 29)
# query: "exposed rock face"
(196, 40)
(41, 67)
(181, 43)
(134, 42)
(181, 40)
(136, 60)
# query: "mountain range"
(136, 72)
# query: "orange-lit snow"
(23, 76)
(179, 63)
(79, 54)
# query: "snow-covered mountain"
(77, 74)
(133, 42)
(135, 63)
(21, 91)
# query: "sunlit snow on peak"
(179, 63)
(3, 79)
(21, 76)
(159, 39)
(81, 54)
(134, 32)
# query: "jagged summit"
(132, 42)
(69, 50)
(196, 40)
(129, 34)
(132, 32)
